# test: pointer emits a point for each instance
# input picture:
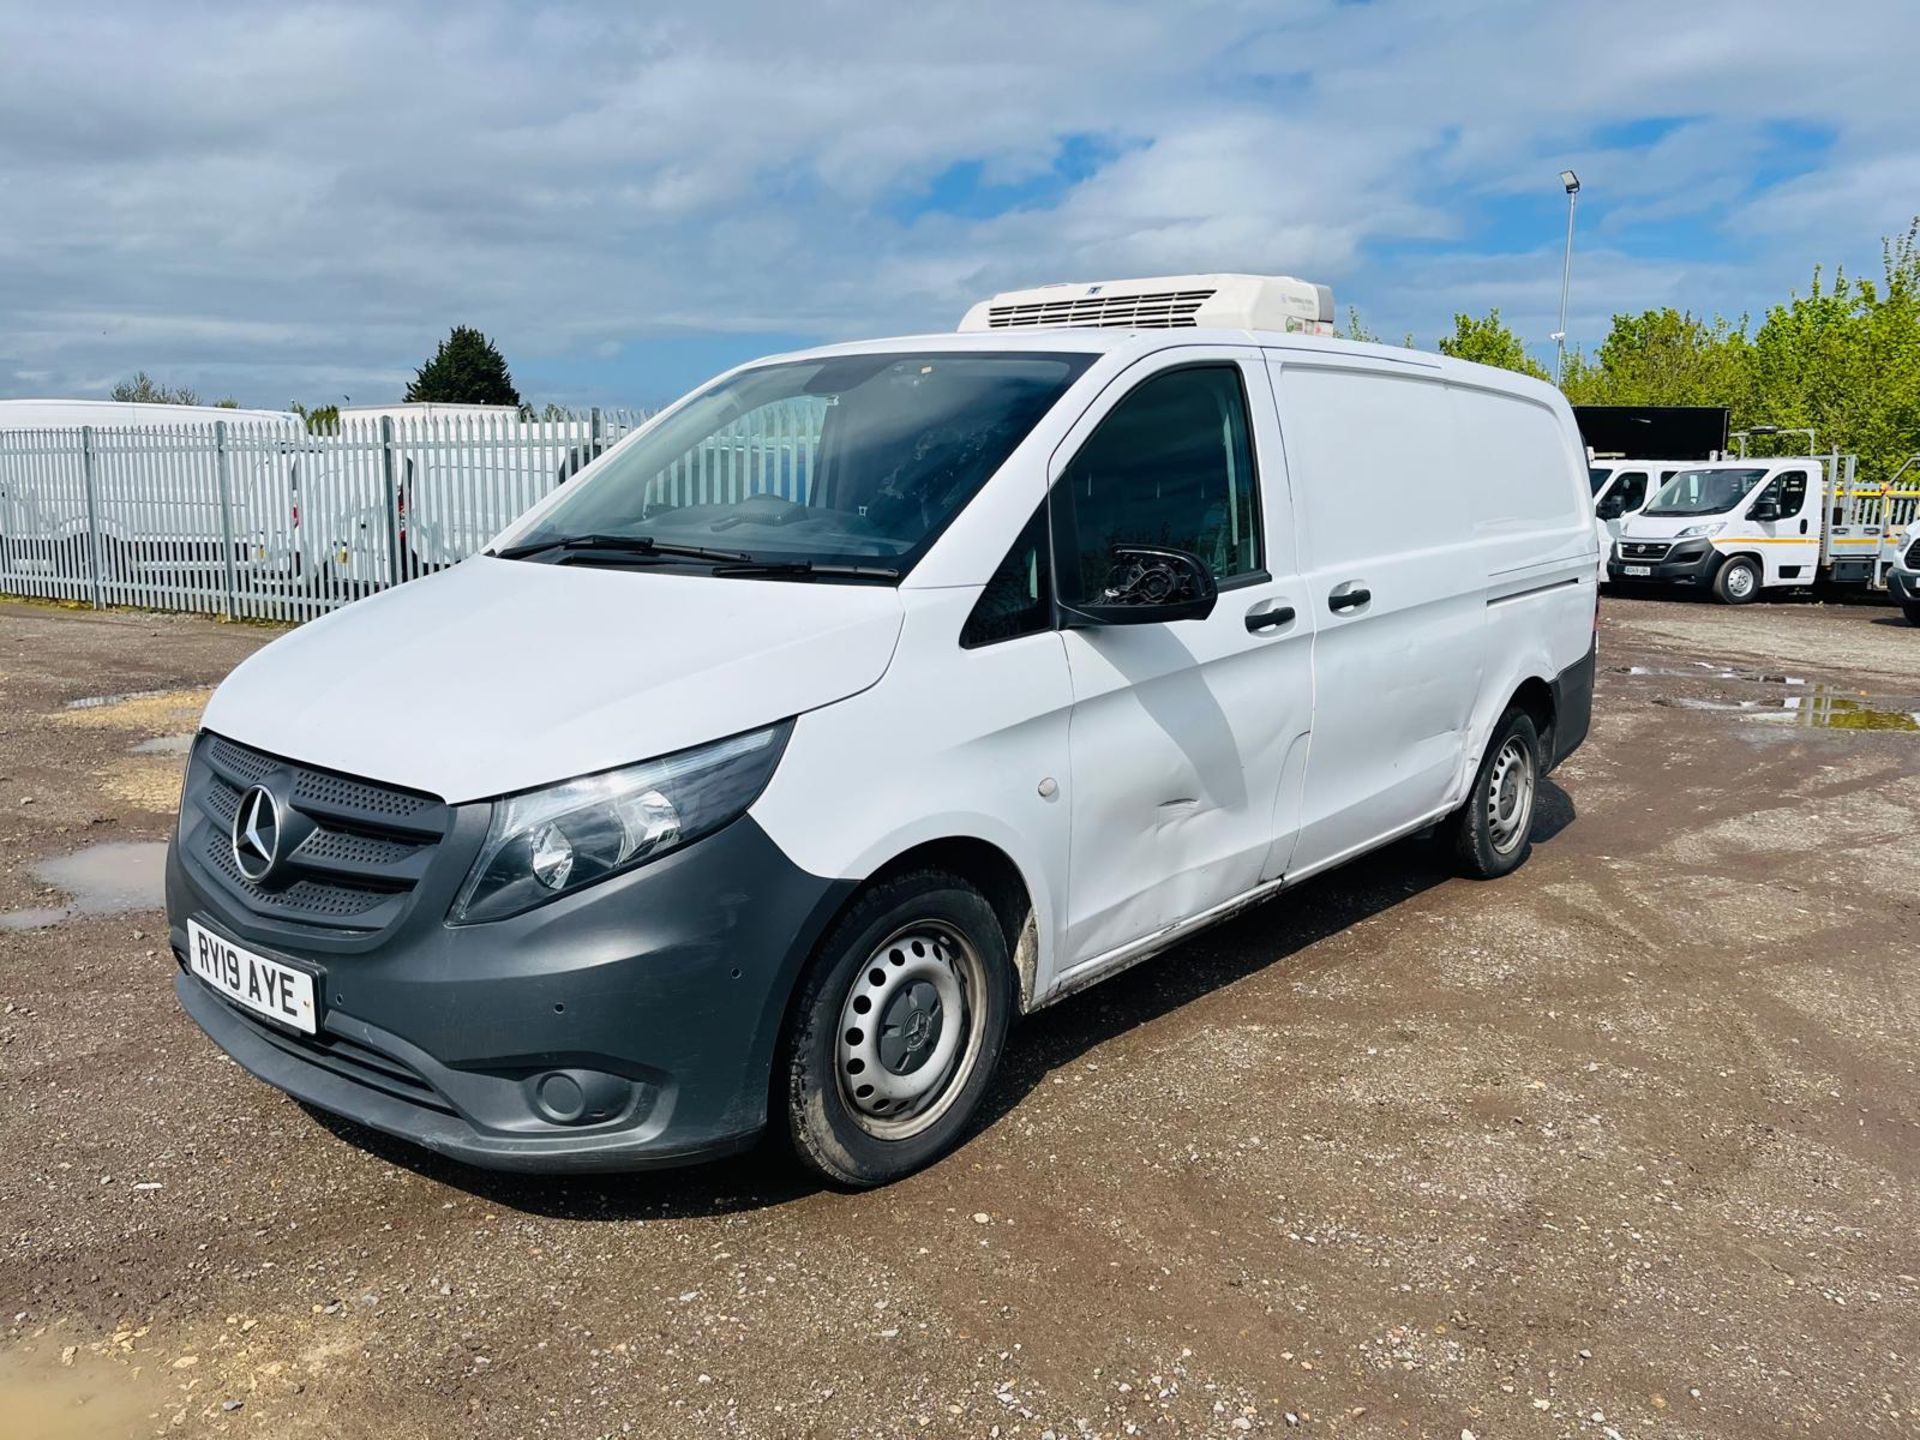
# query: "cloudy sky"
(294, 201)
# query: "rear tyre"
(1738, 582)
(1492, 834)
(896, 1030)
(1911, 609)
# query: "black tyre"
(1738, 582)
(1492, 834)
(896, 1030)
(1911, 609)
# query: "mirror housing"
(1611, 508)
(1765, 509)
(1149, 585)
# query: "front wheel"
(1492, 834)
(897, 1029)
(1738, 582)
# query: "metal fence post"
(93, 513)
(393, 499)
(593, 435)
(226, 513)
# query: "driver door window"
(1788, 491)
(1170, 465)
(1631, 492)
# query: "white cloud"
(299, 201)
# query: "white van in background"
(155, 516)
(717, 798)
(128, 415)
(1623, 487)
(1738, 528)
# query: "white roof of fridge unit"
(1163, 302)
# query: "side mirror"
(1765, 509)
(1149, 585)
(1611, 508)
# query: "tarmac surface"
(1625, 1144)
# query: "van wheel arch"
(1535, 696)
(993, 872)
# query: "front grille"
(1644, 549)
(1163, 310)
(361, 847)
(1913, 556)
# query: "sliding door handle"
(1349, 596)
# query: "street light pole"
(1571, 183)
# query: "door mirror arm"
(1148, 585)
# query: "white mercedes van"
(871, 697)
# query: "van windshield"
(1598, 476)
(853, 463)
(1703, 492)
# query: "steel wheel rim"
(1740, 581)
(1510, 796)
(910, 1029)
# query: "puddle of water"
(1716, 672)
(102, 879)
(94, 702)
(165, 745)
(83, 1397)
(1836, 712)
(1817, 708)
(41, 919)
(108, 879)
(146, 712)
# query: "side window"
(1632, 491)
(1018, 599)
(1787, 490)
(1172, 464)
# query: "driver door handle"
(1272, 619)
(1350, 595)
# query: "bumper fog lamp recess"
(579, 1097)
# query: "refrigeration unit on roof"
(1163, 302)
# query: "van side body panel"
(1395, 678)
(1526, 472)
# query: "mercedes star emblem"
(256, 833)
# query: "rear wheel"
(1738, 582)
(1492, 834)
(897, 1028)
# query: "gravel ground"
(1624, 1145)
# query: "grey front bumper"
(662, 991)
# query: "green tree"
(1844, 360)
(321, 419)
(1486, 340)
(1663, 357)
(467, 369)
(143, 388)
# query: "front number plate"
(1636, 570)
(264, 986)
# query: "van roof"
(1132, 343)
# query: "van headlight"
(547, 843)
(1695, 532)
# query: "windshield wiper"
(621, 545)
(804, 570)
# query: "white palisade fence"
(267, 521)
